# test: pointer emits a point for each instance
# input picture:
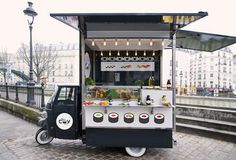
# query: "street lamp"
(181, 76)
(30, 12)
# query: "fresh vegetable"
(104, 103)
(88, 103)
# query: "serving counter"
(128, 114)
(129, 117)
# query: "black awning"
(181, 19)
(202, 41)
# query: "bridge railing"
(18, 94)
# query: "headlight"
(44, 114)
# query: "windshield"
(51, 99)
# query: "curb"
(22, 111)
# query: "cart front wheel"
(42, 137)
(135, 151)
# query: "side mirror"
(49, 105)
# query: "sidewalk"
(17, 143)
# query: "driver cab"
(64, 113)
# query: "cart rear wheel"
(135, 151)
(42, 137)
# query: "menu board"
(127, 66)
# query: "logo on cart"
(64, 121)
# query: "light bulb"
(151, 43)
(109, 53)
(162, 43)
(153, 54)
(139, 43)
(127, 53)
(116, 43)
(136, 53)
(127, 43)
(104, 42)
(144, 53)
(118, 54)
(93, 43)
(101, 53)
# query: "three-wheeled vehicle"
(119, 100)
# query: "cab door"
(66, 113)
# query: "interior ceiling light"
(93, 43)
(144, 53)
(136, 53)
(153, 54)
(109, 53)
(151, 43)
(127, 43)
(116, 43)
(101, 53)
(162, 43)
(118, 53)
(127, 53)
(139, 42)
(104, 42)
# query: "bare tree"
(44, 58)
(4, 61)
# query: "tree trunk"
(38, 79)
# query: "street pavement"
(17, 143)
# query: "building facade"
(65, 68)
(202, 73)
(234, 74)
(212, 72)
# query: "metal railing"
(18, 94)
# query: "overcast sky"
(14, 28)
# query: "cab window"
(66, 95)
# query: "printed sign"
(127, 66)
(64, 121)
(129, 117)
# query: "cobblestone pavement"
(17, 142)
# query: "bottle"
(139, 101)
(168, 84)
(153, 81)
(150, 82)
(148, 100)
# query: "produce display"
(98, 96)
(105, 93)
(88, 103)
(126, 96)
(104, 103)
(101, 93)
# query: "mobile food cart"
(119, 101)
